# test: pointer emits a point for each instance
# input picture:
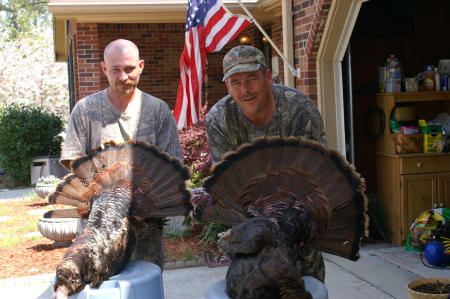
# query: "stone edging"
(47, 278)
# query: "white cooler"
(45, 166)
(138, 280)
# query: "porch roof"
(149, 11)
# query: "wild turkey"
(116, 186)
(282, 195)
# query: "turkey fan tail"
(348, 225)
(158, 179)
(217, 214)
(69, 191)
(68, 213)
(344, 189)
(231, 177)
(338, 178)
(289, 175)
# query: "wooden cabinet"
(408, 184)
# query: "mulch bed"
(33, 257)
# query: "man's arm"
(217, 142)
(168, 139)
(318, 129)
(310, 120)
(75, 142)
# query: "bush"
(195, 150)
(27, 132)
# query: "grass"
(188, 254)
(178, 235)
(211, 231)
(20, 223)
(13, 230)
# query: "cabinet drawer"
(425, 164)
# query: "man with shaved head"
(122, 112)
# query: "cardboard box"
(431, 136)
(405, 113)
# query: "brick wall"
(160, 46)
(309, 22)
(277, 38)
(87, 59)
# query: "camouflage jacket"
(295, 115)
(95, 119)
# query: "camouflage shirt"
(295, 115)
(95, 119)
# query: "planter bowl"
(60, 230)
(417, 295)
(43, 190)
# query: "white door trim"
(338, 29)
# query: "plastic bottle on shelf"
(438, 79)
(445, 82)
(429, 75)
(444, 142)
(393, 68)
(396, 127)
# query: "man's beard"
(129, 91)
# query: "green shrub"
(27, 132)
(210, 233)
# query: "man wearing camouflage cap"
(256, 107)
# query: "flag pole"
(295, 72)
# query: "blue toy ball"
(436, 254)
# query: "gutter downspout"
(288, 40)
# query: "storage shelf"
(421, 96)
(412, 154)
(408, 184)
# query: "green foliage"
(197, 180)
(211, 231)
(19, 17)
(32, 196)
(27, 132)
(188, 254)
(178, 235)
(195, 150)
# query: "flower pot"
(60, 230)
(417, 295)
(43, 190)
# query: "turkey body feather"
(116, 187)
(283, 195)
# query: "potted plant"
(429, 288)
(46, 185)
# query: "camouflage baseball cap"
(242, 59)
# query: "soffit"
(148, 11)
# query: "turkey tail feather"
(158, 180)
(300, 182)
(67, 213)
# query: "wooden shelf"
(428, 103)
(408, 184)
(412, 154)
(399, 97)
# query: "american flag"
(209, 26)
